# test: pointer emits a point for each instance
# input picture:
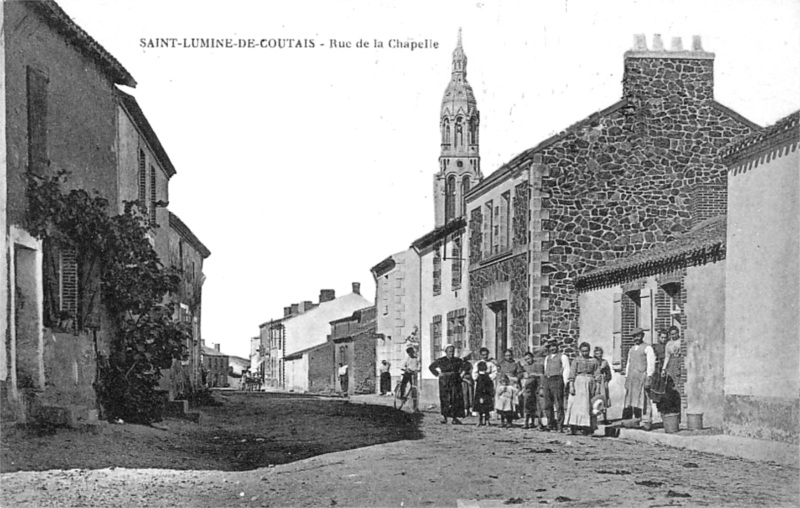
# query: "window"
(487, 229)
(143, 184)
(473, 131)
(61, 295)
(153, 195)
(455, 263)
(636, 311)
(456, 329)
(437, 271)
(501, 224)
(37, 121)
(464, 190)
(446, 132)
(436, 336)
(450, 199)
(459, 132)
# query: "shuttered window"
(61, 286)
(455, 263)
(436, 337)
(487, 229)
(142, 198)
(153, 195)
(616, 345)
(437, 271)
(37, 121)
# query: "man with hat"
(638, 371)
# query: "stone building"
(762, 285)
(396, 308)
(632, 176)
(216, 366)
(60, 111)
(352, 342)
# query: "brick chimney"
(216, 346)
(295, 309)
(287, 311)
(357, 288)
(326, 295)
(306, 306)
(668, 77)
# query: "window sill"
(496, 257)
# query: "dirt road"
(418, 462)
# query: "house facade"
(59, 109)
(762, 285)
(305, 337)
(397, 318)
(630, 177)
(353, 340)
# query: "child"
(484, 394)
(506, 401)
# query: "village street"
(287, 450)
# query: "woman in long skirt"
(483, 404)
(467, 385)
(451, 398)
(583, 376)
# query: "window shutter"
(487, 230)
(142, 182)
(153, 195)
(69, 282)
(646, 314)
(616, 348)
(37, 121)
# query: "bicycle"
(412, 392)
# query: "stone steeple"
(459, 162)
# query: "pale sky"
(300, 169)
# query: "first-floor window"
(436, 336)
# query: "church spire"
(459, 162)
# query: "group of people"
(532, 389)
(552, 393)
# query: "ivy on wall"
(133, 287)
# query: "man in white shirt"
(556, 377)
(410, 368)
(640, 367)
(343, 378)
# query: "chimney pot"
(697, 43)
(677, 44)
(658, 44)
(357, 288)
(639, 42)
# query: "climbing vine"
(133, 288)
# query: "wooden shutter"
(153, 195)
(143, 184)
(502, 241)
(616, 348)
(37, 121)
(69, 282)
(487, 230)
(646, 314)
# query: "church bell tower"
(459, 162)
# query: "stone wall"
(623, 180)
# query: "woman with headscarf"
(451, 398)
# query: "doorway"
(500, 310)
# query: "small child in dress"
(506, 401)
(484, 395)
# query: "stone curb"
(785, 454)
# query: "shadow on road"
(247, 431)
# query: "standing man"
(410, 369)
(556, 376)
(638, 371)
(343, 379)
(385, 377)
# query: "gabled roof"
(130, 105)
(311, 328)
(705, 243)
(210, 351)
(55, 16)
(177, 224)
